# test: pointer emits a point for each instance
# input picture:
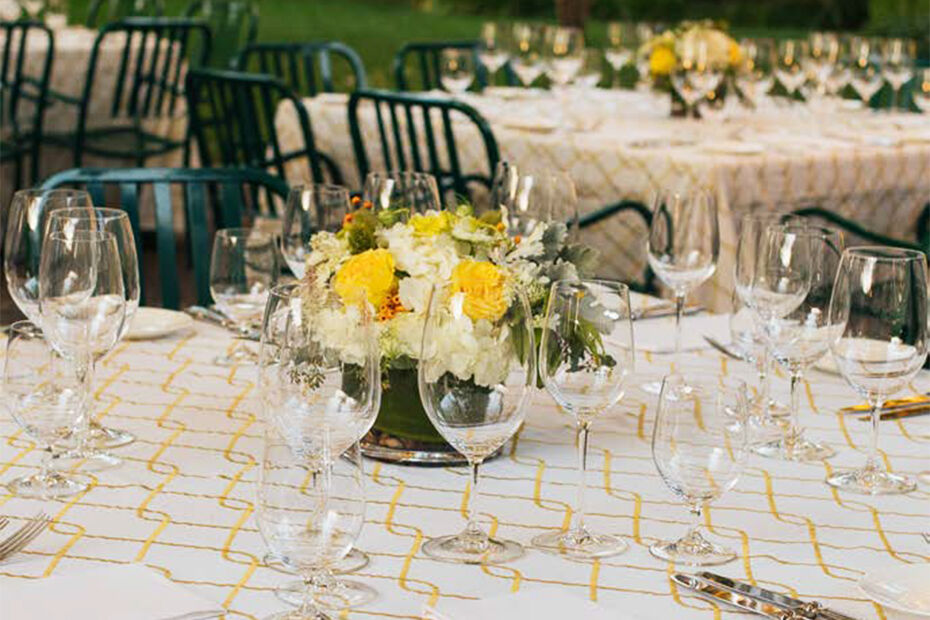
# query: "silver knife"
(806, 609)
(725, 349)
(664, 310)
(713, 591)
(212, 316)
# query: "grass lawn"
(376, 30)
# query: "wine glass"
(310, 209)
(682, 248)
(695, 76)
(504, 186)
(789, 68)
(754, 77)
(880, 304)
(310, 512)
(801, 337)
(243, 268)
(115, 221)
(456, 69)
(897, 66)
(700, 447)
(589, 75)
(414, 191)
(526, 53)
(585, 357)
(43, 395)
(822, 54)
(476, 372)
(492, 52)
(921, 92)
(621, 45)
(82, 305)
(542, 197)
(865, 70)
(22, 248)
(563, 54)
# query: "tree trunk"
(572, 12)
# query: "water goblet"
(897, 66)
(700, 447)
(563, 54)
(789, 69)
(694, 77)
(754, 77)
(243, 269)
(585, 357)
(865, 69)
(310, 209)
(492, 52)
(43, 395)
(540, 198)
(476, 371)
(456, 69)
(526, 58)
(414, 191)
(622, 44)
(879, 303)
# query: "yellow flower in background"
(735, 54)
(430, 225)
(483, 286)
(370, 273)
(661, 61)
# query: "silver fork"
(17, 541)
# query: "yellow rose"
(735, 54)
(370, 273)
(661, 61)
(430, 225)
(483, 286)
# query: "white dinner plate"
(536, 124)
(734, 147)
(905, 588)
(151, 323)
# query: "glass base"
(48, 486)
(105, 438)
(692, 550)
(463, 548)
(89, 461)
(580, 546)
(765, 429)
(295, 614)
(355, 561)
(342, 594)
(872, 481)
(800, 450)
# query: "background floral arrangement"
(664, 50)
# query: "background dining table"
(621, 144)
(183, 502)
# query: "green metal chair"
(648, 284)
(102, 11)
(857, 230)
(232, 120)
(422, 59)
(306, 68)
(23, 97)
(410, 123)
(223, 195)
(234, 24)
(148, 87)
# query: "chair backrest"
(422, 60)
(307, 68)
(223, 195)
(23, 96)
(648, 284)
(101, 11)
(218, 103)
(860, 234)
(417, 133)
(234, 24)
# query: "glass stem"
(578, 518)
(679, 311)
(45, 467)
(313, 584)
(476, 537)
(762, 368)
(894, 98)
(696, 510)
(794, 431)
(875, 415)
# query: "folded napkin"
(122, 592)
(535, 604)
(658, 335)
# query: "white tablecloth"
(618, 145)
(183, 502)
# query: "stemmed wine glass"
(622, 44)
(25, 231)
(802, 336)
(897, 66)
(700, 447)
(585, 356)
(865, 70)
(755, 77)
(683, 247)
(526, 53)
(317, 397)
(43, 395)
(310, 209)
(115, 221)
(695, 76)
(456, 70)
(504, 186)
(476, 371)
(563, 54)
(309, 512)
(82, 305)
(416, 191)
(541, 197)
(789, 68)
(243, 269)
(879, 304)
(492, 52)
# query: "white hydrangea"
(432, 258)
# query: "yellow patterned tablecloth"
(183, 501)
(618, 145)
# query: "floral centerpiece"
(392, 258)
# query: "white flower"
(432, 257)
(414, 293)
